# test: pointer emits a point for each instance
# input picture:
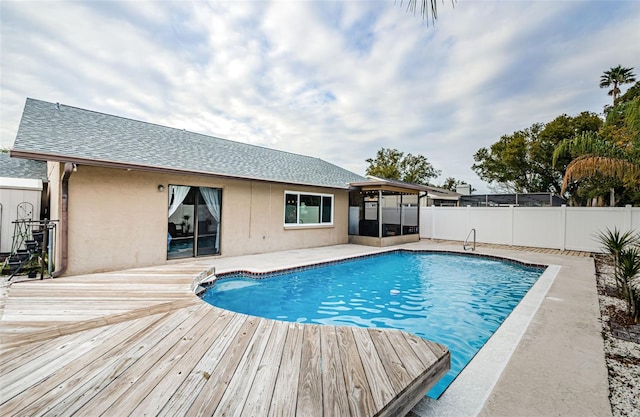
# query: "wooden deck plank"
(437, 349)
(416, 343)
(310, 381)
(211, 326)
(284, 403)
(406, 399)
(361, 402)
(61, 382)
(145, 390)
(81, 325)
(261, 391)
(30, 372)
(134, 377)
(393, 365)
(12, 357)
(550, 251)
(109, 288)
(410, 360)
(209, 398)
(233, 400)
(22, 359)
(100, 376)
(334, 402)
(185, 395)
(379, 382)
(103, 290)
(58, 306)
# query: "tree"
(450, 184)
(632, 92)
(523, 161)
(614, 77)
(609, 159)
(394, 165)
(594, 155)
(602, 165)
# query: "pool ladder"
(466, 241)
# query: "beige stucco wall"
(118, 218)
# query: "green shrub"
(629, 273)
(624, 252)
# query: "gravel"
(622, 356)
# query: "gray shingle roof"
(71, 133)
(22, 168)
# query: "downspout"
(64, 219)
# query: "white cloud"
(335, 80)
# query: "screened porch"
(384, 212)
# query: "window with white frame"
(308, 208)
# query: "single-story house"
(440, 197)
(127, 193)
(23, 196)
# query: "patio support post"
(401, 215)
(380, 213)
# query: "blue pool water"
(455, 300)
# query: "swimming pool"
(456, 300)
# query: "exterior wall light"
(160, 187)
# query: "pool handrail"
(464, 244)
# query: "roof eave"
(387, 185)
(151, 168)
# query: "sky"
(336, 80)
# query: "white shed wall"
(14, 191)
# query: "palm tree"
(425, 7)
(594, 155)
(614, 77)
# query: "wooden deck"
(141, 343)
(530, 249)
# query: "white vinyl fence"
(570, 228)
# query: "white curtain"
(179, 192)
(211, 197)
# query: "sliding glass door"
(194, 221)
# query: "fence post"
(433, 221)
(512, 222)
(563, 226)
(468, 218)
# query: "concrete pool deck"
(553, 367)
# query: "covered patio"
(384, 212)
